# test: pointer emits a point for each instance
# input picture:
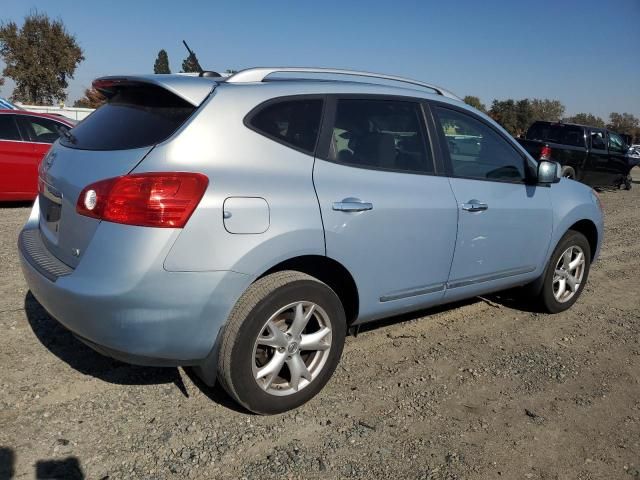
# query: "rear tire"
(566, 273)
(271, 360)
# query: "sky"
(585, 53)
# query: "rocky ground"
(486, 389)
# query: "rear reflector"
(164, 200)
(545, 153)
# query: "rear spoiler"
(191, 89)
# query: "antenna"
(194, 57)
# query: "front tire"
(567, 273)
(282, 342)
(568, 172)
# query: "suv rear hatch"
(140, 113)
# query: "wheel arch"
(329, 271)
(590, 231)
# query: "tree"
(549, 110)
(504, 112)
(162, 63)
(525, 116)
(623, 123)
(475, 103)
(92, 99)
(39, 57)
(587, 119)
(190, 64)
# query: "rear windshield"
(557, 133)
(136, 116)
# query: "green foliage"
(517, 116)
(623, 123)
(162, 63)
(475, 103)
(549, 110)
(505, 113)
(191, 64)
(587, 119)
(39, 57)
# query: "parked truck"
(592, 155)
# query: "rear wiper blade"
(67, 134)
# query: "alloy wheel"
(292, 348)
(568, 274)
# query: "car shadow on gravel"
(8, 205)
(509, 299)
(68, 468)
(68, 348)
(64, 345)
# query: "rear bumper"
(135, 310)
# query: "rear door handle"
(475, 206)
(352, 205)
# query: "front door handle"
(475, 206)
(352, 205)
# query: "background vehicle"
(25, 138)
(595, 156)
(242, 225)
(7, 105)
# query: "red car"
(25, 138)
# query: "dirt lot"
(480, 390)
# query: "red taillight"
(144, 199)
(545, 153)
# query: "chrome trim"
(27, 141)
(412, 292)
(260, 74)
(51, 193)
(348, 205)
(463, 282)
(475, 206)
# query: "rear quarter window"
(294, 123)
(134, 117)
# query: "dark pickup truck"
(595, 156)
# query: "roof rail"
(260, 74)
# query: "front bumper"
(125, 305)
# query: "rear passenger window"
(293, 122)
(8, 128)
(476, 150)
(380, 134)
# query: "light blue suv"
(242, 225)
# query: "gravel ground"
(485, 389)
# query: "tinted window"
(380, 134)
(8, 128)
(478, 151)
(616, 144)
(134, 117)
(557, 133)
(41, 130)
(597, 140)
(294, 122)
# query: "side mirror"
(549, 172)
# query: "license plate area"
(50, 207)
